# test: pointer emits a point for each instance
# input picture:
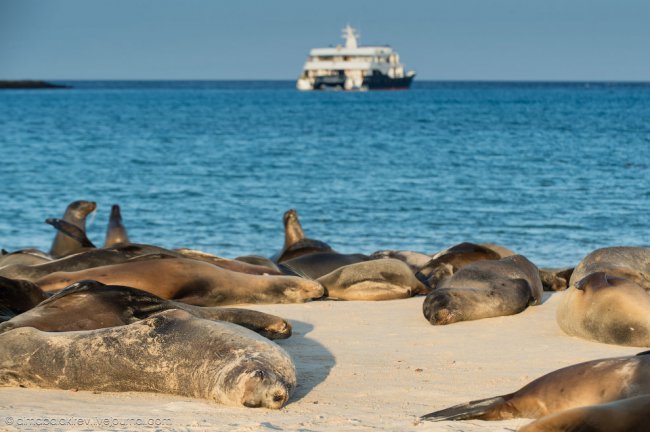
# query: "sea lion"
(555, 279)
(588, 383)
(88, 305)
(230, 264)
(258, 260)
(170, 352)
(295, 242)
(193, 282)
(24, 257)
(315, 265)
(75, 214)
(606, 309)
(631, 263)
(447, 262)
(624, 415)
(384, 279)
(116, 232)
(18, 296)
(485, 289)
(415, 260)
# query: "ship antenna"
(350, 35)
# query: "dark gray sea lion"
(258, 260)
(170, 352)
(384, 279)
(624, 415)
(75, 214)
(295, 242)
(116, 232)
(606, 309)
(485, 289)
(319, 264)
(24, 257)
(18, 296)
(191, 281)
(415, 260)
(631, 263)
(88, 305)
(447, 262)
(589, 383)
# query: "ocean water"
(552, 171)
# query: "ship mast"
(350, 35)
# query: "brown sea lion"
(258, 260)
(624, 415)
(116, 232)
(18, 296)
(384, 279)
(485, 289)
(447, 262)
(192, 282)
(415, 260)
(606, 309)
(631, 263)
(75, 214)
(24, 257)
(230, 264)
(170, 352)
(589, 383)
(295, 242)
(88, 305)
(319, 264)
(555, 279)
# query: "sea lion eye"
(278, 397)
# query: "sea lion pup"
(447, 262)
(170, 352)
(485, 289)
(588, 383)
(23, 257)
(88, 305)
(606, 309)
(319, 264)
(384, 279)
(75, 214)
(295, 242)
(230, 264)
(115, 233)
(193, 282)
(631, 263)
(555, 279)
(625, 415)
(18, 296)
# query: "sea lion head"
(80, 209)
(263, 388)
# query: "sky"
(603, 40)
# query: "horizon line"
(485, 80)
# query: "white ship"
(353, 67)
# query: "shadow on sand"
(313, 361)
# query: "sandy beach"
(361, 366)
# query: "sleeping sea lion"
(631, 263)
(170, 352)
(18, 296)
(588, 383)
(88, 305)
(606, 309)
(192, 282)
(485, 289)
(319, 264)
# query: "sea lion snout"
(262, 389)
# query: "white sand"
(361, 366)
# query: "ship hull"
(383, 82)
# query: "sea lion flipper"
(470, 410)
(71, 231)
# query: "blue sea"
(550, 170)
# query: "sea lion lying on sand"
(631, 263)
(88, 305)
(485, 289)
(607, 309)
(18, 296)
(169, 352)
(319, 264)
(193, 282)
(588, 383)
